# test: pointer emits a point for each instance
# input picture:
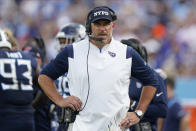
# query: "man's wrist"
(139, 113)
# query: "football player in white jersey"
(99, 77)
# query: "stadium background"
(166, 27)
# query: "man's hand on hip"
(72, 102)
(129, 120)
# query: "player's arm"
(158, 107)
(146, 97)
(48, 86)
(51, 72)
(160, 124)
(141, 71)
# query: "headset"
(89, 17)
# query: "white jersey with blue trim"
(105, 73)
(109, 76)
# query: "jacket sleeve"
(60, 64)
(141, 70)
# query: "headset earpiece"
(88, 23)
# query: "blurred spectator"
(177, 119)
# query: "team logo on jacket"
(111, 54)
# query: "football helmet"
(4, 40)
(70, 33)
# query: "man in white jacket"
(99, 77)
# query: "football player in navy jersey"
(17, 71)
(98, 77)
(158, 106)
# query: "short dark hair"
(38, 42)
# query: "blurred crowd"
(167, 28)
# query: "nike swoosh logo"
(158, 94)
(138, 85)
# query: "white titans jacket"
(104, 73)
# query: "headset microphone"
(95, 38)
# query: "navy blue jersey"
(175, 113)
(17, 71)
(158, 106)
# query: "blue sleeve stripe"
(60, 64)
(128, 53)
